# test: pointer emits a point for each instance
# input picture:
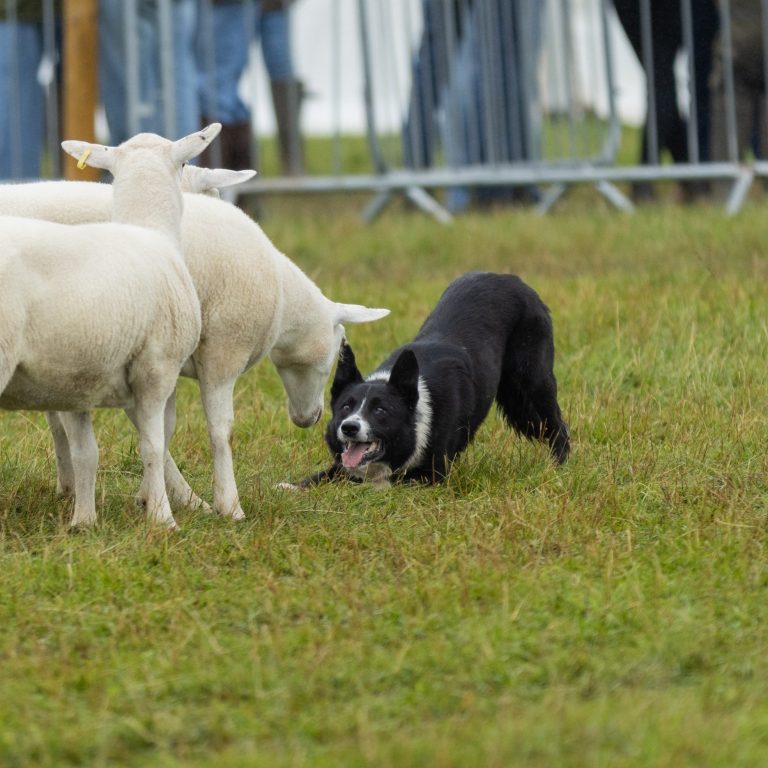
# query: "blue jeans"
(112, 68)
(22, 102)
(475, 92)
(223, 55)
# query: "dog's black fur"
(489, 337)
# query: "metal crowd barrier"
(476, 93)
(463, 96)
(572, 98)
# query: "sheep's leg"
(219, 415)
(152, 496)
(84, 452)
(65, 473)
(178, 489)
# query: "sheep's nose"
(350, 428)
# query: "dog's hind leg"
(532, 411)
(527, 392)
(552, 427)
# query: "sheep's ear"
(95, 155)
(356, 313)
(183, 150)
(204, 180)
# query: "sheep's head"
(305, 363)
(175, 153)
(147, 171)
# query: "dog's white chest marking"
(422, 422)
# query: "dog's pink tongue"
(353, 454)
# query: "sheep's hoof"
(163, 524)
(190, 502)
(81, 526)
(234, 514)
(198, 505)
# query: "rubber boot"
(232, 150)
(286, 100)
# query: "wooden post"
(80, 93)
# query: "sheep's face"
(305, 356)
(305, 372)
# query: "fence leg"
(550, 197)
(421, 199)
(380, 201)
(614, 196)
(739, 191)
(428, 204)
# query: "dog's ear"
(346, 371)
(404, 378)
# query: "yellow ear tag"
(83, 158)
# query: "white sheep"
(57, 200)
(255, 302)
(104, 315)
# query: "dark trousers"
(667, 40)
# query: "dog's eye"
(380, 411)
(346, 408)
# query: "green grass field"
(613, 612)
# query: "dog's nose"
(350, 428)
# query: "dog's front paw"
(290, 487)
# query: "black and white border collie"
(489, 338)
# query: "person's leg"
(666, 39)
(223, 58)
(151, 90)
(462, 128)
(419, 134)
(150, 80)
(671, 130)
(222, 53)
(114, 76)
(706, 23)
(185, 21)
(511, 32)
(274, 29)
(22, 114)
(112, 80)
(275, 35)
